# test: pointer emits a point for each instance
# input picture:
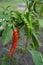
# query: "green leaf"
(3, 63)
(37, 57)
(36, 41)
(41, 22)
(6, 60)
(1, 32)
(36, 26)
(6, 35)
(3, 24)
(32, 46)
(37, 0)
(1, 15)
(41, 9)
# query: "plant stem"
(23, 52)
(10, 61)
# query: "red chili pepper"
(15, 40)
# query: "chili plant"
(31, 20)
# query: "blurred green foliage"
(12, 3)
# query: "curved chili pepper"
(15, 40)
